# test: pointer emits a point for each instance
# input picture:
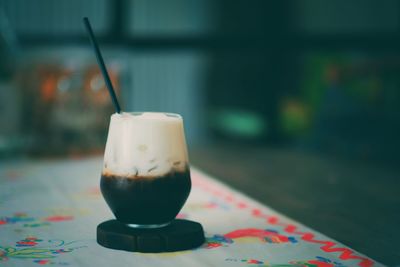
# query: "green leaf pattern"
(34, 253)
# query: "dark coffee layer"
(146, 200)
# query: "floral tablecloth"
(49, 211)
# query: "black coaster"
(178, 235)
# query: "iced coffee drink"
(145, 178)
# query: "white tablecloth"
(49, 211)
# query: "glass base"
(147, 226)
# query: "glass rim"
(169, 114)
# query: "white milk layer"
(145, 144)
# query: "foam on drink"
(148, 144)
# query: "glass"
(146, 177)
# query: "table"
(49, 211)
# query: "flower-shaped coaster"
(178, 235)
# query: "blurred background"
(299, 99)
(312, 75)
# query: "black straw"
(102, 66)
